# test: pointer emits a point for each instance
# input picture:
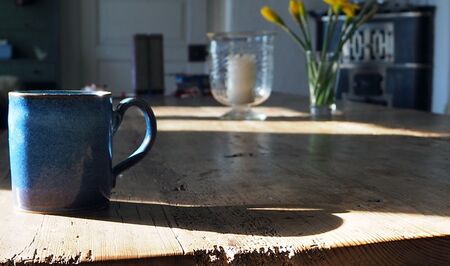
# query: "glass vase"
(241, 71)
(322, 78)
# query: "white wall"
(96, 39)
(219, 15)
(243, 15)
(223, 15)
(441, 75)
(441, 78)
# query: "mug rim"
(58, 93)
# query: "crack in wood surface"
(117, 210)
(31, 242)
(138, 212)
(173, 232)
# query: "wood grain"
(371, 187)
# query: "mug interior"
(59, 93)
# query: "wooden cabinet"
(389, 60)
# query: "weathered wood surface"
(370, 188)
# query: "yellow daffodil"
(337, 5)
(301, 8)
(294, 9)
(297, 9)
(271, 16)
(349, 10)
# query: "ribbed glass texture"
(241, 67)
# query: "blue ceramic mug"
(60, 145)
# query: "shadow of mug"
(242, 220)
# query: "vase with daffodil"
(323, 64)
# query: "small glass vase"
(241, 71)
(322, 77)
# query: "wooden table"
(370, 187)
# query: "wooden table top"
(370, 187)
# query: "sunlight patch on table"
(291, 127)
(280, 209)
(208, 111)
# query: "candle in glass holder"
(241, 79)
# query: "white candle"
(241, 79)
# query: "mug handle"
(150, 134)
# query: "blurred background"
(156, 46)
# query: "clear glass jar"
(241, 71)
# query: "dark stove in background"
(389, 61)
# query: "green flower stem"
(306, 22)
(322, 78)
(305, 35)
(325, 43)
(331, 28)
(304, 28)
(322, 83)
(369, 10)
(294, 36)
